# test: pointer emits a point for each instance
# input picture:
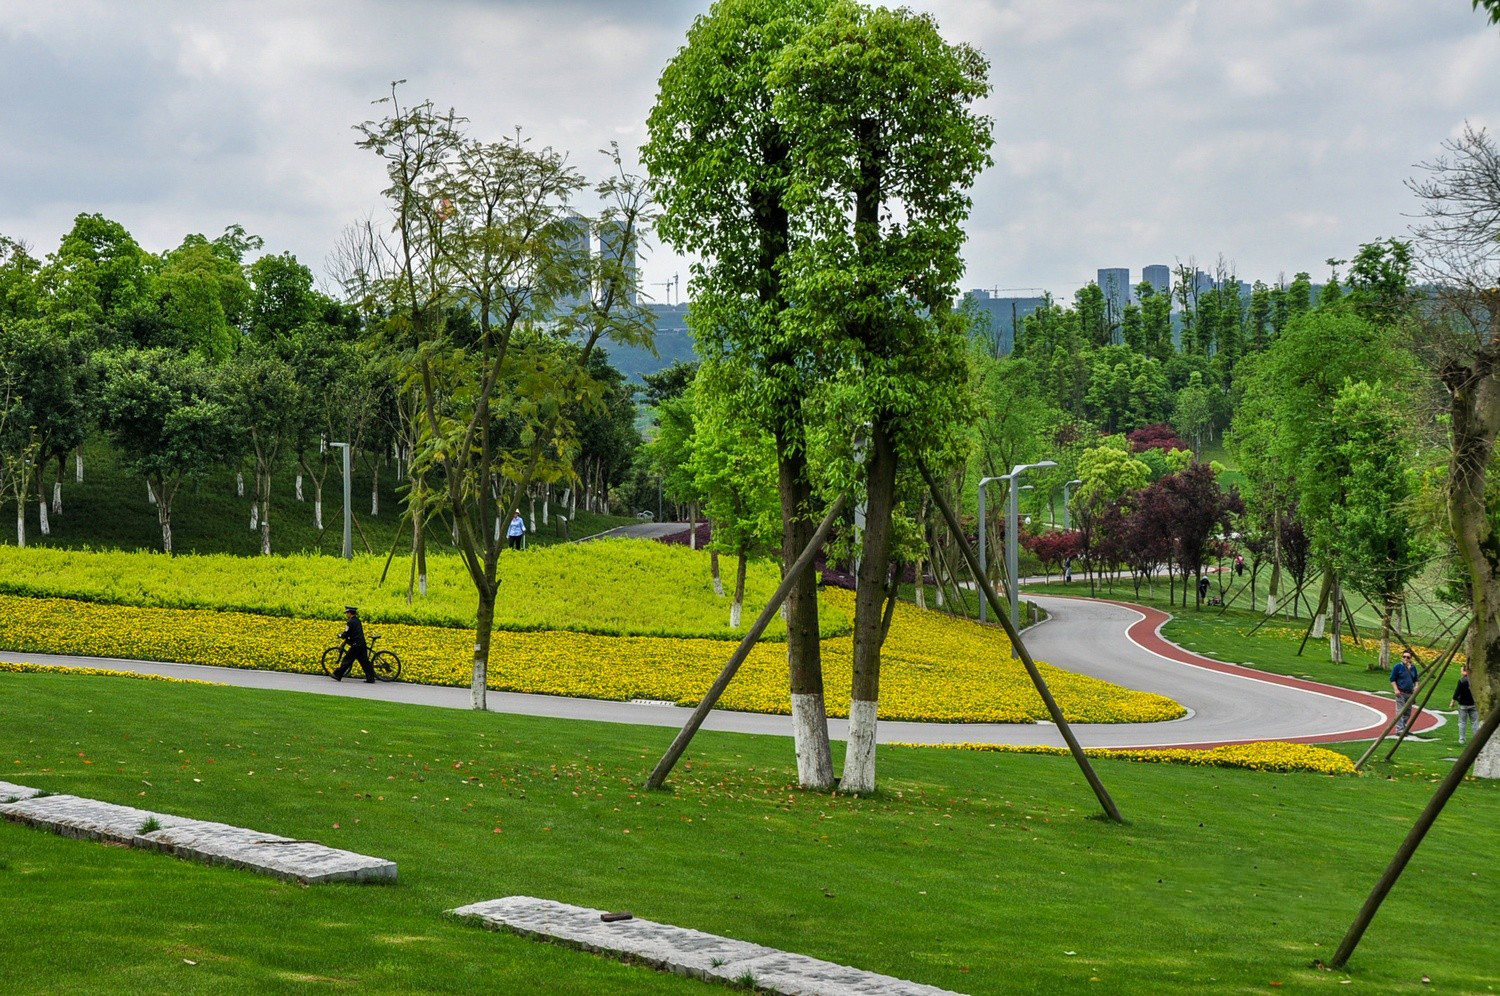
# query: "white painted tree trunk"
(546, 503)
(150, 495)
(254, 516)
(713, 568)
(809, 726)
(1487, 764)
(375, 492)
(21, 524)
(497, 529)
(318, 512)
(239, 484)
(44, 524)
(422, 582)
(299, 488)
(1317, 630)
(78, 465)
(57, 497)
(859, 758)
(1271, 603)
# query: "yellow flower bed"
(1272, 755)
(26, 667)
(935, 667)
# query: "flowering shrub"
(936, 667)
(1267, 756)
(591, 588)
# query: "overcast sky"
(1276, 133)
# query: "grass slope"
(982, 873)
(109, 511)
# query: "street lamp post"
(348, 511)
(1010, 537)
(1067, 521)
(982, 563)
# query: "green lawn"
(983, 873)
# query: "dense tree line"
(209, 354)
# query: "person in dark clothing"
(1405, 680)
(1203, 589)
(354, 636)
(1468, 712)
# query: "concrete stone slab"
(686, 951)
(87, 819)
(11, 792)
(197, 840)
(283, 857)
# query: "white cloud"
(1276, 133)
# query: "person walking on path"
(354, 636)
(516, 533)
(1468, 712)
(1405, 680)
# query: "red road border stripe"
(1146, 633)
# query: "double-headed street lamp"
(1010, 531)
(1010, 537)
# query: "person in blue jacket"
(1405, 680)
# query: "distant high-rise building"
(577, 243)
(1115, 283)
(1159, 276)
(1006, 312)
(612, 248)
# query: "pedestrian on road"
(1405, 680)
(516, 534)
(1468, 712)
(354, 636)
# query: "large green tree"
(877, 107)
(488, 229)
(720, 161)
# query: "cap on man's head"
(350, 608)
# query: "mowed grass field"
(981, 873)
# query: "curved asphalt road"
(1118, 643)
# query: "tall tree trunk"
(163, 514)
(713, 566)
(870, 595)
(804, 653)
(44, 524)
(739, 591)
(484, 627)
(374, 488)
(78, 464)
(1474, 406)
(264, 488)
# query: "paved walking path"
(1226, 703)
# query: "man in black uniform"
(354, 635)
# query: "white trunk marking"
(46, 526)
(859, 759)
(239, 484)
(809, 726)
(318, 512)
(1317, 631)
(57, 497)
(1487, 764)
(299, 488)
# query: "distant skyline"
(1275, 134)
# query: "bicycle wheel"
(331, 658)
(387, 665)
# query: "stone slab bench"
(685, 951)
(198, 840)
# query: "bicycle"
(385, 664)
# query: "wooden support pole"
(803, 562)
(1413, 840)
(987, 591)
